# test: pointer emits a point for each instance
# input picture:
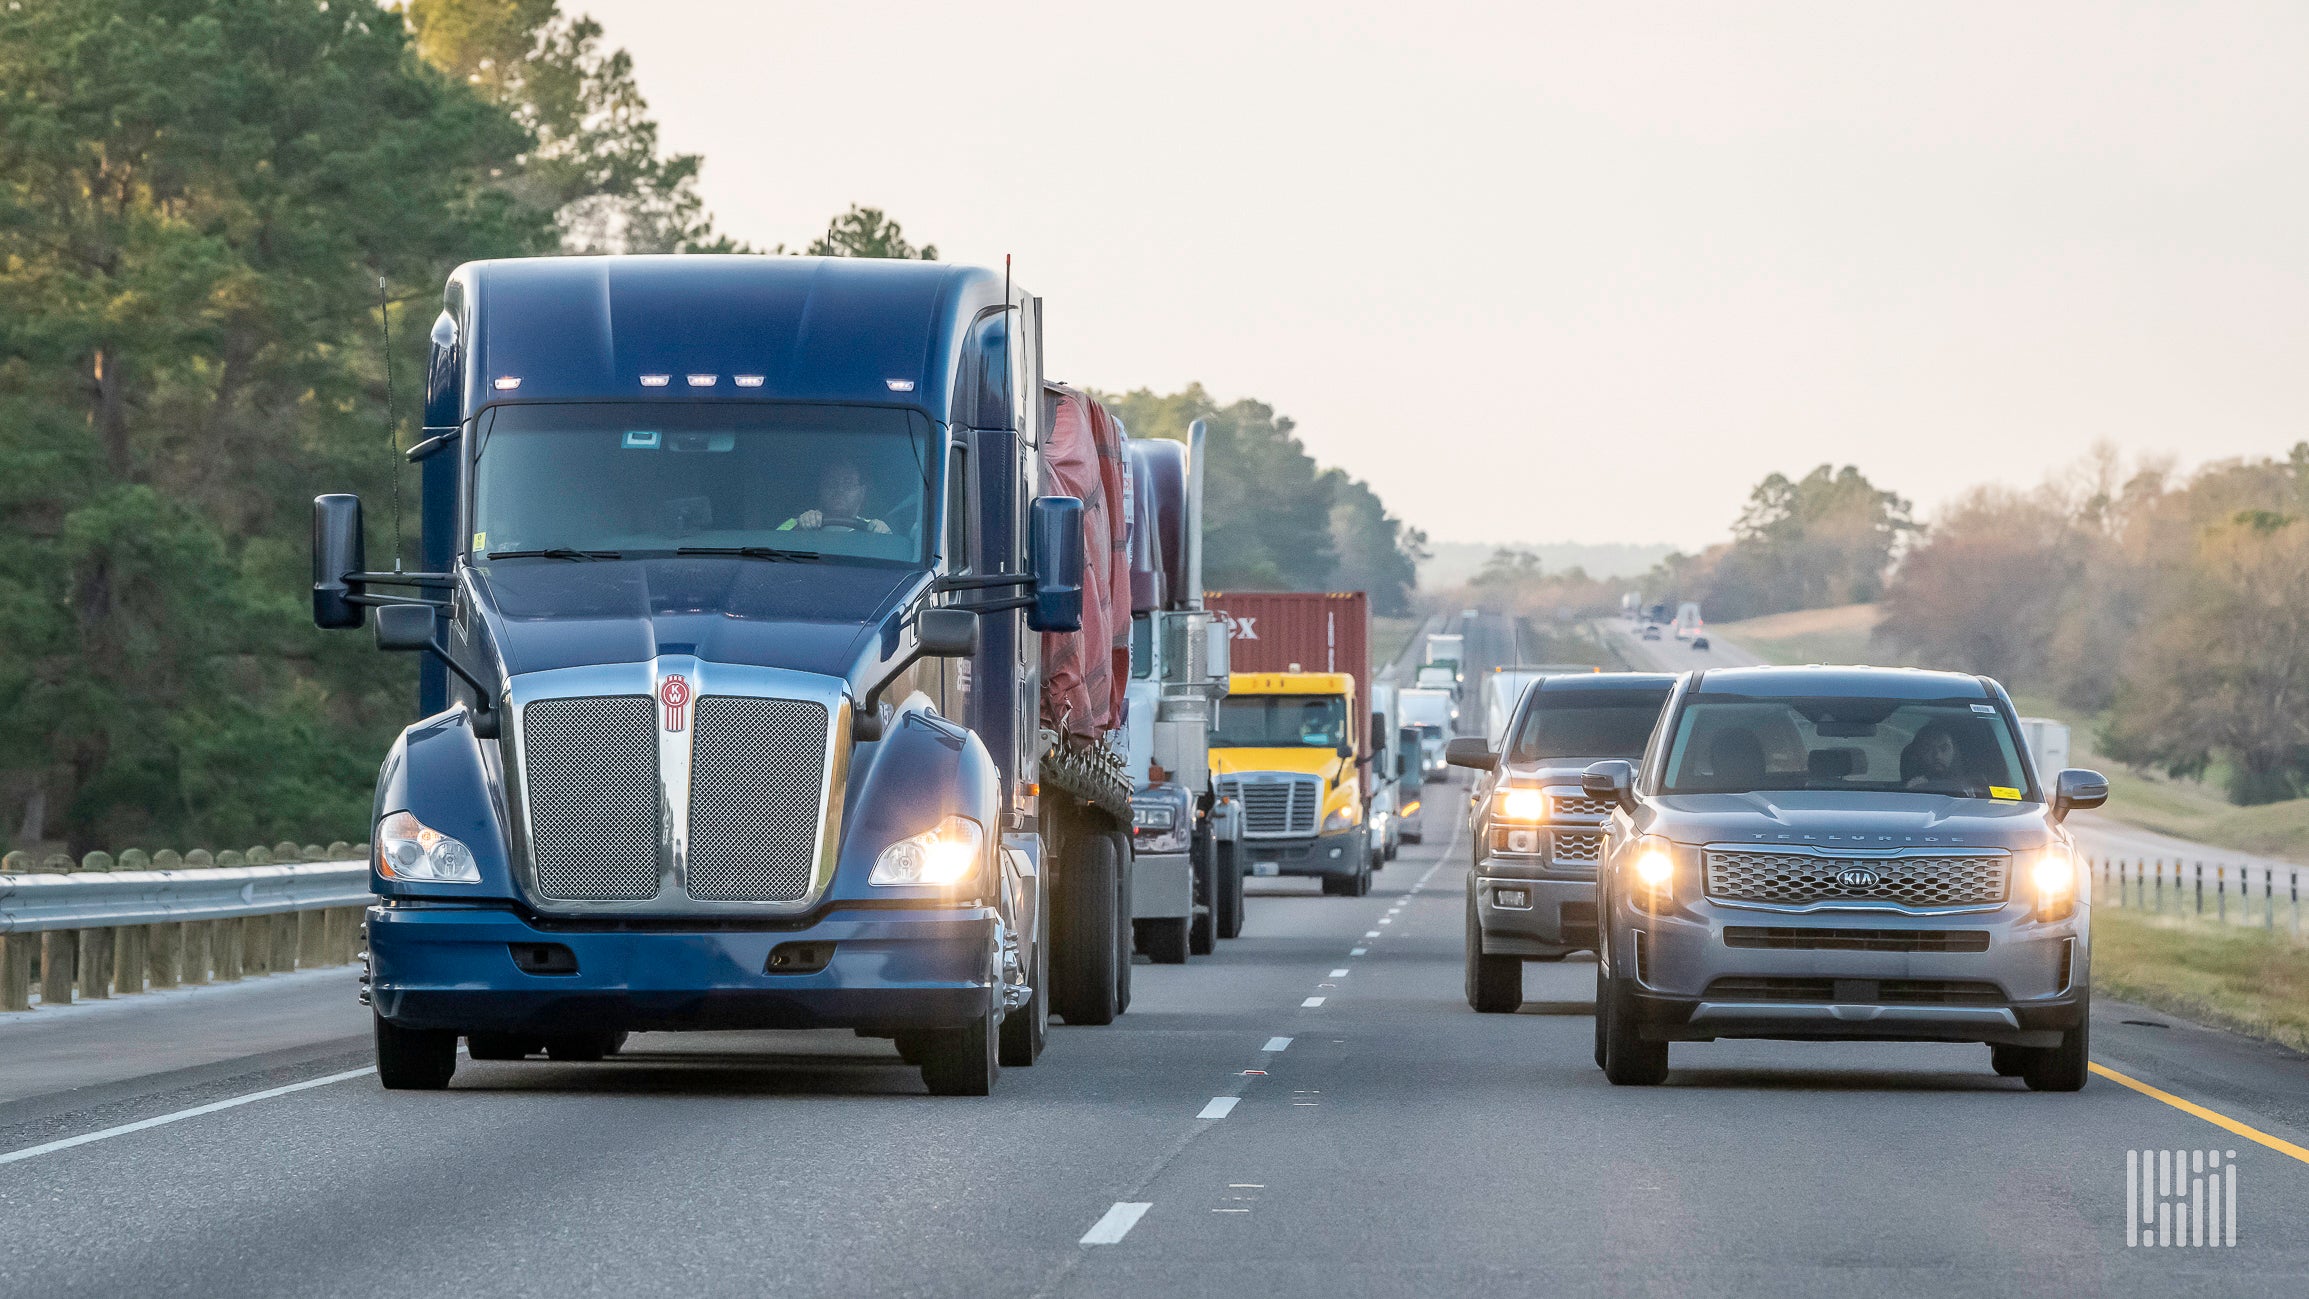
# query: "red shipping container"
(1305, 631)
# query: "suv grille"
(1799, 939)
(591, 768)
(1800, 879)
(1882, 992)
(757, 778)
(1277, 809)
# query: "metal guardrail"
(31, 904)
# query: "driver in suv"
(1854, 853)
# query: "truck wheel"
(414, 1059)
(2061, 1068)
(502, 1046)
(584, 1048)
(1125, 940)
(2008, 1061)
(1082, 978)
(1628, 1060)
(1167, 941)
(1026, 1029)
(962, 1061)
(1494, 983)
(1338, 886)
(1203, 929)
(1230, 905)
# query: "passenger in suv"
(1855, 853)
(1538, 835)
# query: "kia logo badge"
(1851, 877)
(674, 694)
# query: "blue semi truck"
(736, 581)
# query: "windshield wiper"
(749, 552)
(556, 552)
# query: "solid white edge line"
(1311, 1002)
(1277, 1044)
(1116, 1224)
(1219, 1107)
(106, 1134)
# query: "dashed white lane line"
(1386, 920)
(1357, 951)
(1310, 1003)
(1338, 974)
(1219, 1107)
(1117, 1223)
(1277, 1044)
(1370, 933)
(162, 1120)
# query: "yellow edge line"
(2223, 1121)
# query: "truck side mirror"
(1470, 751)
(2076, 790)
(1054, 554)
(1614, 779)
(337, 550)
(946, 633)
(405, 627)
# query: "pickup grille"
(1276, 809)
(757, 785)
(1802, 879)
(1580, 806)
(591, 770)
(1578, 847)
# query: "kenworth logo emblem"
(674, 694)
(1851, 877)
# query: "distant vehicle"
(1418, 706)
(1410, 776)
(2047, 745)
(1699, 642)
(1652, 631)
(1688, 621)
(1505, 685)
(1838, 854)
(1437, 676)
(1433, 740)
(1470, 615)
(1538, 834)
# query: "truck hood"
(821, 617)
(1833, 819)
(1297, 759)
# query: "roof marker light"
(507, 383)
(702, 380)
(748, 380)
(656, 380)
(900, 385)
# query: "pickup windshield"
(777, 481)
(1738, 744)
(1281, 722)
(1592, 724)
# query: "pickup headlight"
(946, 855)
(415, 853)
(1522, 805)
(2054, 877)
(1654, 869)
(1343, 817)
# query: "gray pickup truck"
(1842, 853)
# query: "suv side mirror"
(1054, 556)
(2077, 789)
(1470, 751)
(337, 550)
(404, 627)
(946, 633)
(1614, 779)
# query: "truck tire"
(502, 1046)
(1167, 940)
(962, 1061)
(1494, 983)
(1082, 976)
(1228, 912)
(414, 1059)
(2062, 1068)
(1027, 1029)
(1203, 928)
(1628, 1060)
(1126, 943)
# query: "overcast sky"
(1576, 271)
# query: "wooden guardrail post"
(312, 941)
(59, 966)
(284, 931)
(16, 971)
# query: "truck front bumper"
(1341, 854)
(473, 969)
(1534, 910)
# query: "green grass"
(1389, 638)
(1839, 635)
(2244, 979)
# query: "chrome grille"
(591, 770)
(1580, 806)
(757, 777)
(1276, 809)
(1578, 847)
(1802, 879)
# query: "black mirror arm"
(995, 606)
(982, 582)
(485, 719)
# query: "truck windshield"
(1592, 724)
(605, 480)
(1281, 722)
(1736, 744)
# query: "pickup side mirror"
(1614, 779)
(1054, 555)
(946, 633)
(2076, 789)
(337, 550)
(405, 627)
(1470, 751)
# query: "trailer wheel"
(414, 1059)
(962, 1061)
(1228, 909)
(1126, 941)
(1082, 977)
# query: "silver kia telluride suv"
(1854, 853)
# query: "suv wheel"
(2062, 1068)
(2008, 1061)
(1628, 1060)
(1494, 983)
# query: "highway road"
(1312, 1111)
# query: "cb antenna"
(392, 421)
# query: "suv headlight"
(1343, 817)
(946, 855)
(1654, 869)
(415, 853)
(2054, 878)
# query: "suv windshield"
(1281, 722)
(1734, 744)
(642, 478)
(1595, 724)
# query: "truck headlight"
(1654, 868)
(1343, 817)
(415, 853)
(2054, 876)
(1522, 805)
(945, 855)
